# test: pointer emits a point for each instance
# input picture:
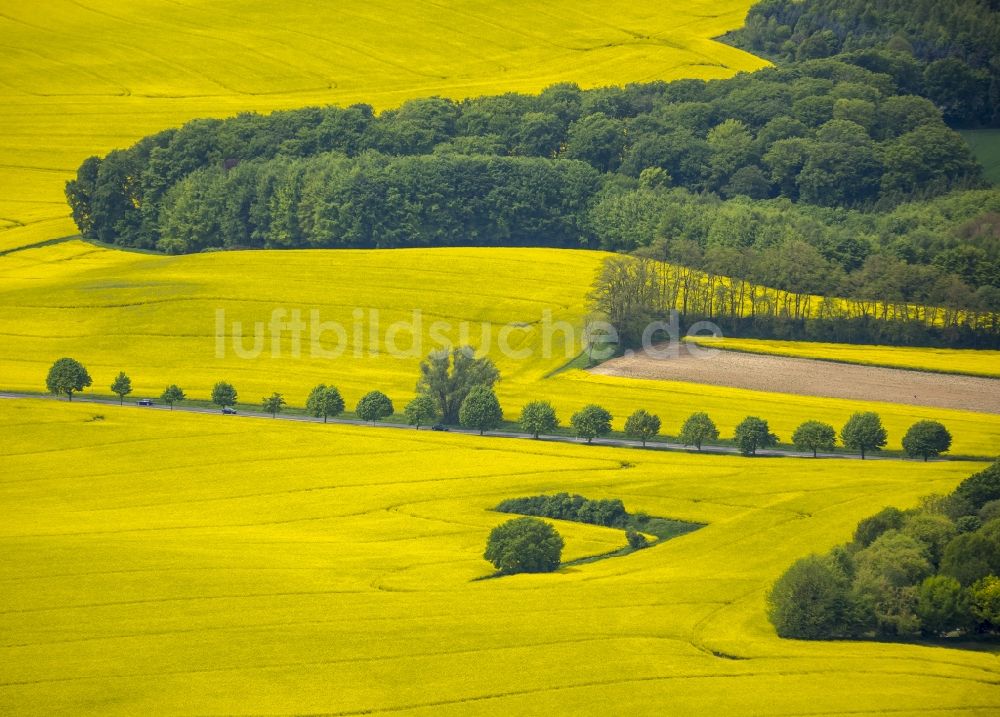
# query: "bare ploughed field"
(809, 377)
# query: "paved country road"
(615, 442)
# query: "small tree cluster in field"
(524, 545)
(932, 570)
(610, 513)
(636, 540)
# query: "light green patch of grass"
(985, 144)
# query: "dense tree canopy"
(609, 512)
(930, 570)
(817, 176)
(811, 600)
(943, 50)
(924, 274)
(914, 252)
(519, 169)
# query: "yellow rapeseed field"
(155, 317)
(82, 78)
(172, 563)
(158, 563)
(960, 361)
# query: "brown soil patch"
(809, 377)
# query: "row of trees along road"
(458, 387)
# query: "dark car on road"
(144, 402)
(439, 427)
(229, 411)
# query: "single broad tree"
(591, 422)
(172, 394)
(753, 433)
(642, 426)
(984, 599)
(273, 403)
(374, 406)
(864, 432)
(67, 376)
(448, 378)
(814, 436)
(811, 601)
(122, 385)
(538, 417)
(325, 402)
(697, 429)
(942, 605)
(926, 439)
(524, 545)
(480, 410)
(224, 395)
(420, 410)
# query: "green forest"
(931, 570)
(833, 173)
(955, 45)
